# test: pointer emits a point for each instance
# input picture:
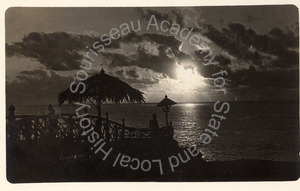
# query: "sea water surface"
(251, 130)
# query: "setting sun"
(188, 79)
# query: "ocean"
(251, 130)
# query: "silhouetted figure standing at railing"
(51, 110)
(153, 124)
(52, 121)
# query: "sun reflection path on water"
(188, 121)
(190, 105)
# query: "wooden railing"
(67, 126)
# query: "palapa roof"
(166, 101)
(103, 87)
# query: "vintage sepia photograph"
(152, 94)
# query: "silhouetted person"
(153, 124)
(51, 110)
(52, 121)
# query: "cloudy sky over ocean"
(256, 45)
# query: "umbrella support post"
(167, 119)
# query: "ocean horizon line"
(203, 102)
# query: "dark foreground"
(49, 163)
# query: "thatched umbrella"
(102, 88)
(165, 105)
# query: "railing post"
(123, 129)
(106, 116)
(171, 130)
(12, 132)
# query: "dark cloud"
(167, 54)
(135, 79)
(161, 63)
(130, 38)
(142, 82)
(164, 40)
(259, 62)
(207, 70)
(119, 73)
(60, 51)
(272, 58)
(56, 51)
(236, 39)
(132, 74)
(179, 18)
(36, 86)
(264, 79)
(173, 16)
(147, 13)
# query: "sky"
(258, 46)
